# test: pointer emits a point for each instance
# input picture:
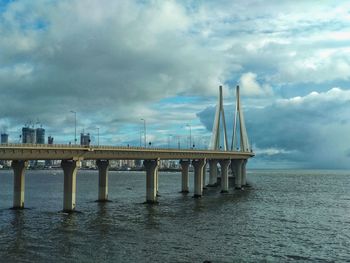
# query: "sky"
(117, 62)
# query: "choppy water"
(285, 216)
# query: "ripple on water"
(285, 216)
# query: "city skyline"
(117, 62)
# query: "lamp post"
(144, 132)
(75, 126)
(189, 125)
(140, 137)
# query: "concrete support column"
(198, 177)
(19, 167)
(157, 178)
(103, 167)
(213, 173)
(151, 167)
(70, 168)
(224, 175)
(184, 172)
(204, 175)
(236, 166)
(244, 173)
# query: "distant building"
(50, 140)
(49, 163)
(28, 135)
(31, 135)
(138, 163)
(88, 164)
(40, 136)
(115, 164)
(85, 139)
(4, 138)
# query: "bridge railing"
(71, 146)
(96, 147)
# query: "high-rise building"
(50, 140)
(40, 136)
(85, 139)
(4, 138)
(31, 135)
(28, 135)
(49, 163)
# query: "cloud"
(84, 57)
(271, 151)
(251, 87)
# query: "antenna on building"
(219, 116)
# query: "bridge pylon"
(244, 145)
(216, 133)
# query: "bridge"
(72, 155)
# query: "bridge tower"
(219, 117)
(239, 166)
(244, 145)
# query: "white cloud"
(101, 58)
(272, 151)
(251, 87)
(335, 94)
(317, 67)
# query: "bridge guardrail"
(102, 147)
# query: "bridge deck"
(77, 152)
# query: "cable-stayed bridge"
(71, 155)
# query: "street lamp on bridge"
(98, 136)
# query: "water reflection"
(18, 240)
(66, 234)
(102, 210)
(152, 216)
(101, 222)
(69, 221)
(198, 205)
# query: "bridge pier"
(198, 177)
(184, 176)
(70, 168)
(103, 167)
(19, 167)
(204, 175)
(157, 178)
(236, 166)
(244, 173)
(151, 167)
(224, 175)
(213, 173)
